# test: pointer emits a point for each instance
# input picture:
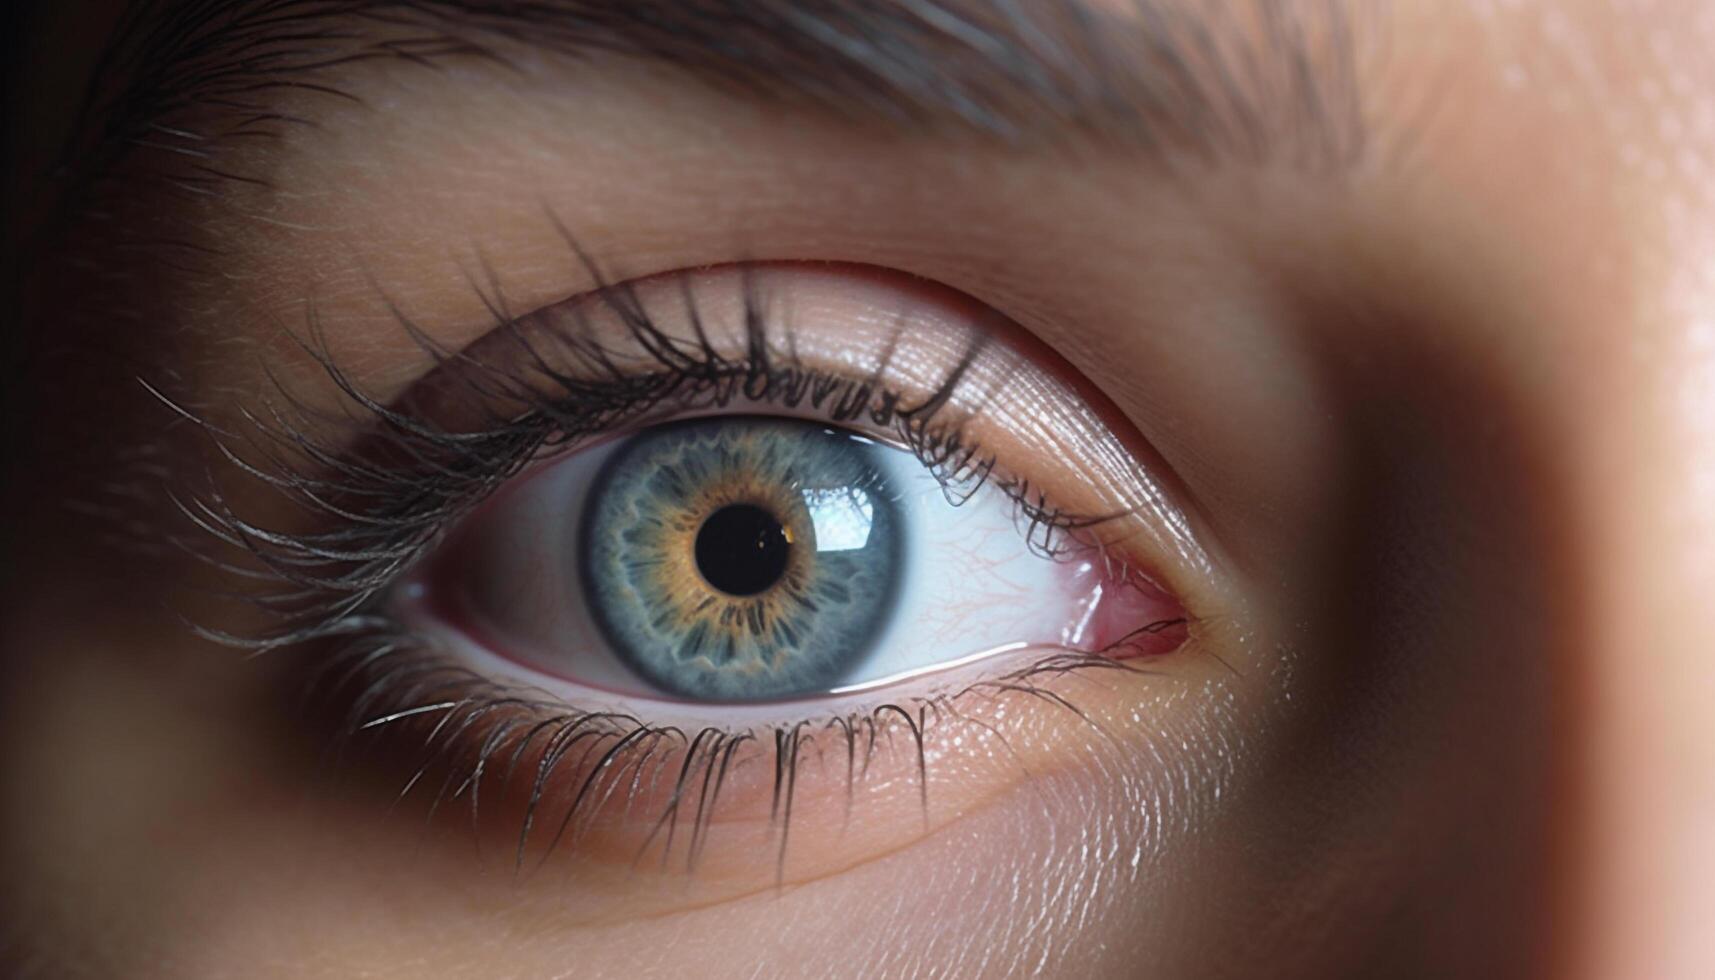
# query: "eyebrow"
(1245, 82)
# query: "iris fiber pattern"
(820, 551)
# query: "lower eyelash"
(392, 681)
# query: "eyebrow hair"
(1244, 82)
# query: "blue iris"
(742, 558)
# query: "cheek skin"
(250, 875)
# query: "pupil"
(741, 549)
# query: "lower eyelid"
(796, 801)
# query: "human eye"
(686, 568)
(787, 527)
(746, 558)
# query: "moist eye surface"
(743, 559)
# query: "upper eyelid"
(362, 551)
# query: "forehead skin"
(1536, 205)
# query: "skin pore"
(1425, 359)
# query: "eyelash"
(409, 480)
(384, 668)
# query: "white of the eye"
(970, 587)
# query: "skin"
(1446, 424)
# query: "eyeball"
(740, 558)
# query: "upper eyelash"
(386, 504)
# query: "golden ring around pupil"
(694, 604)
